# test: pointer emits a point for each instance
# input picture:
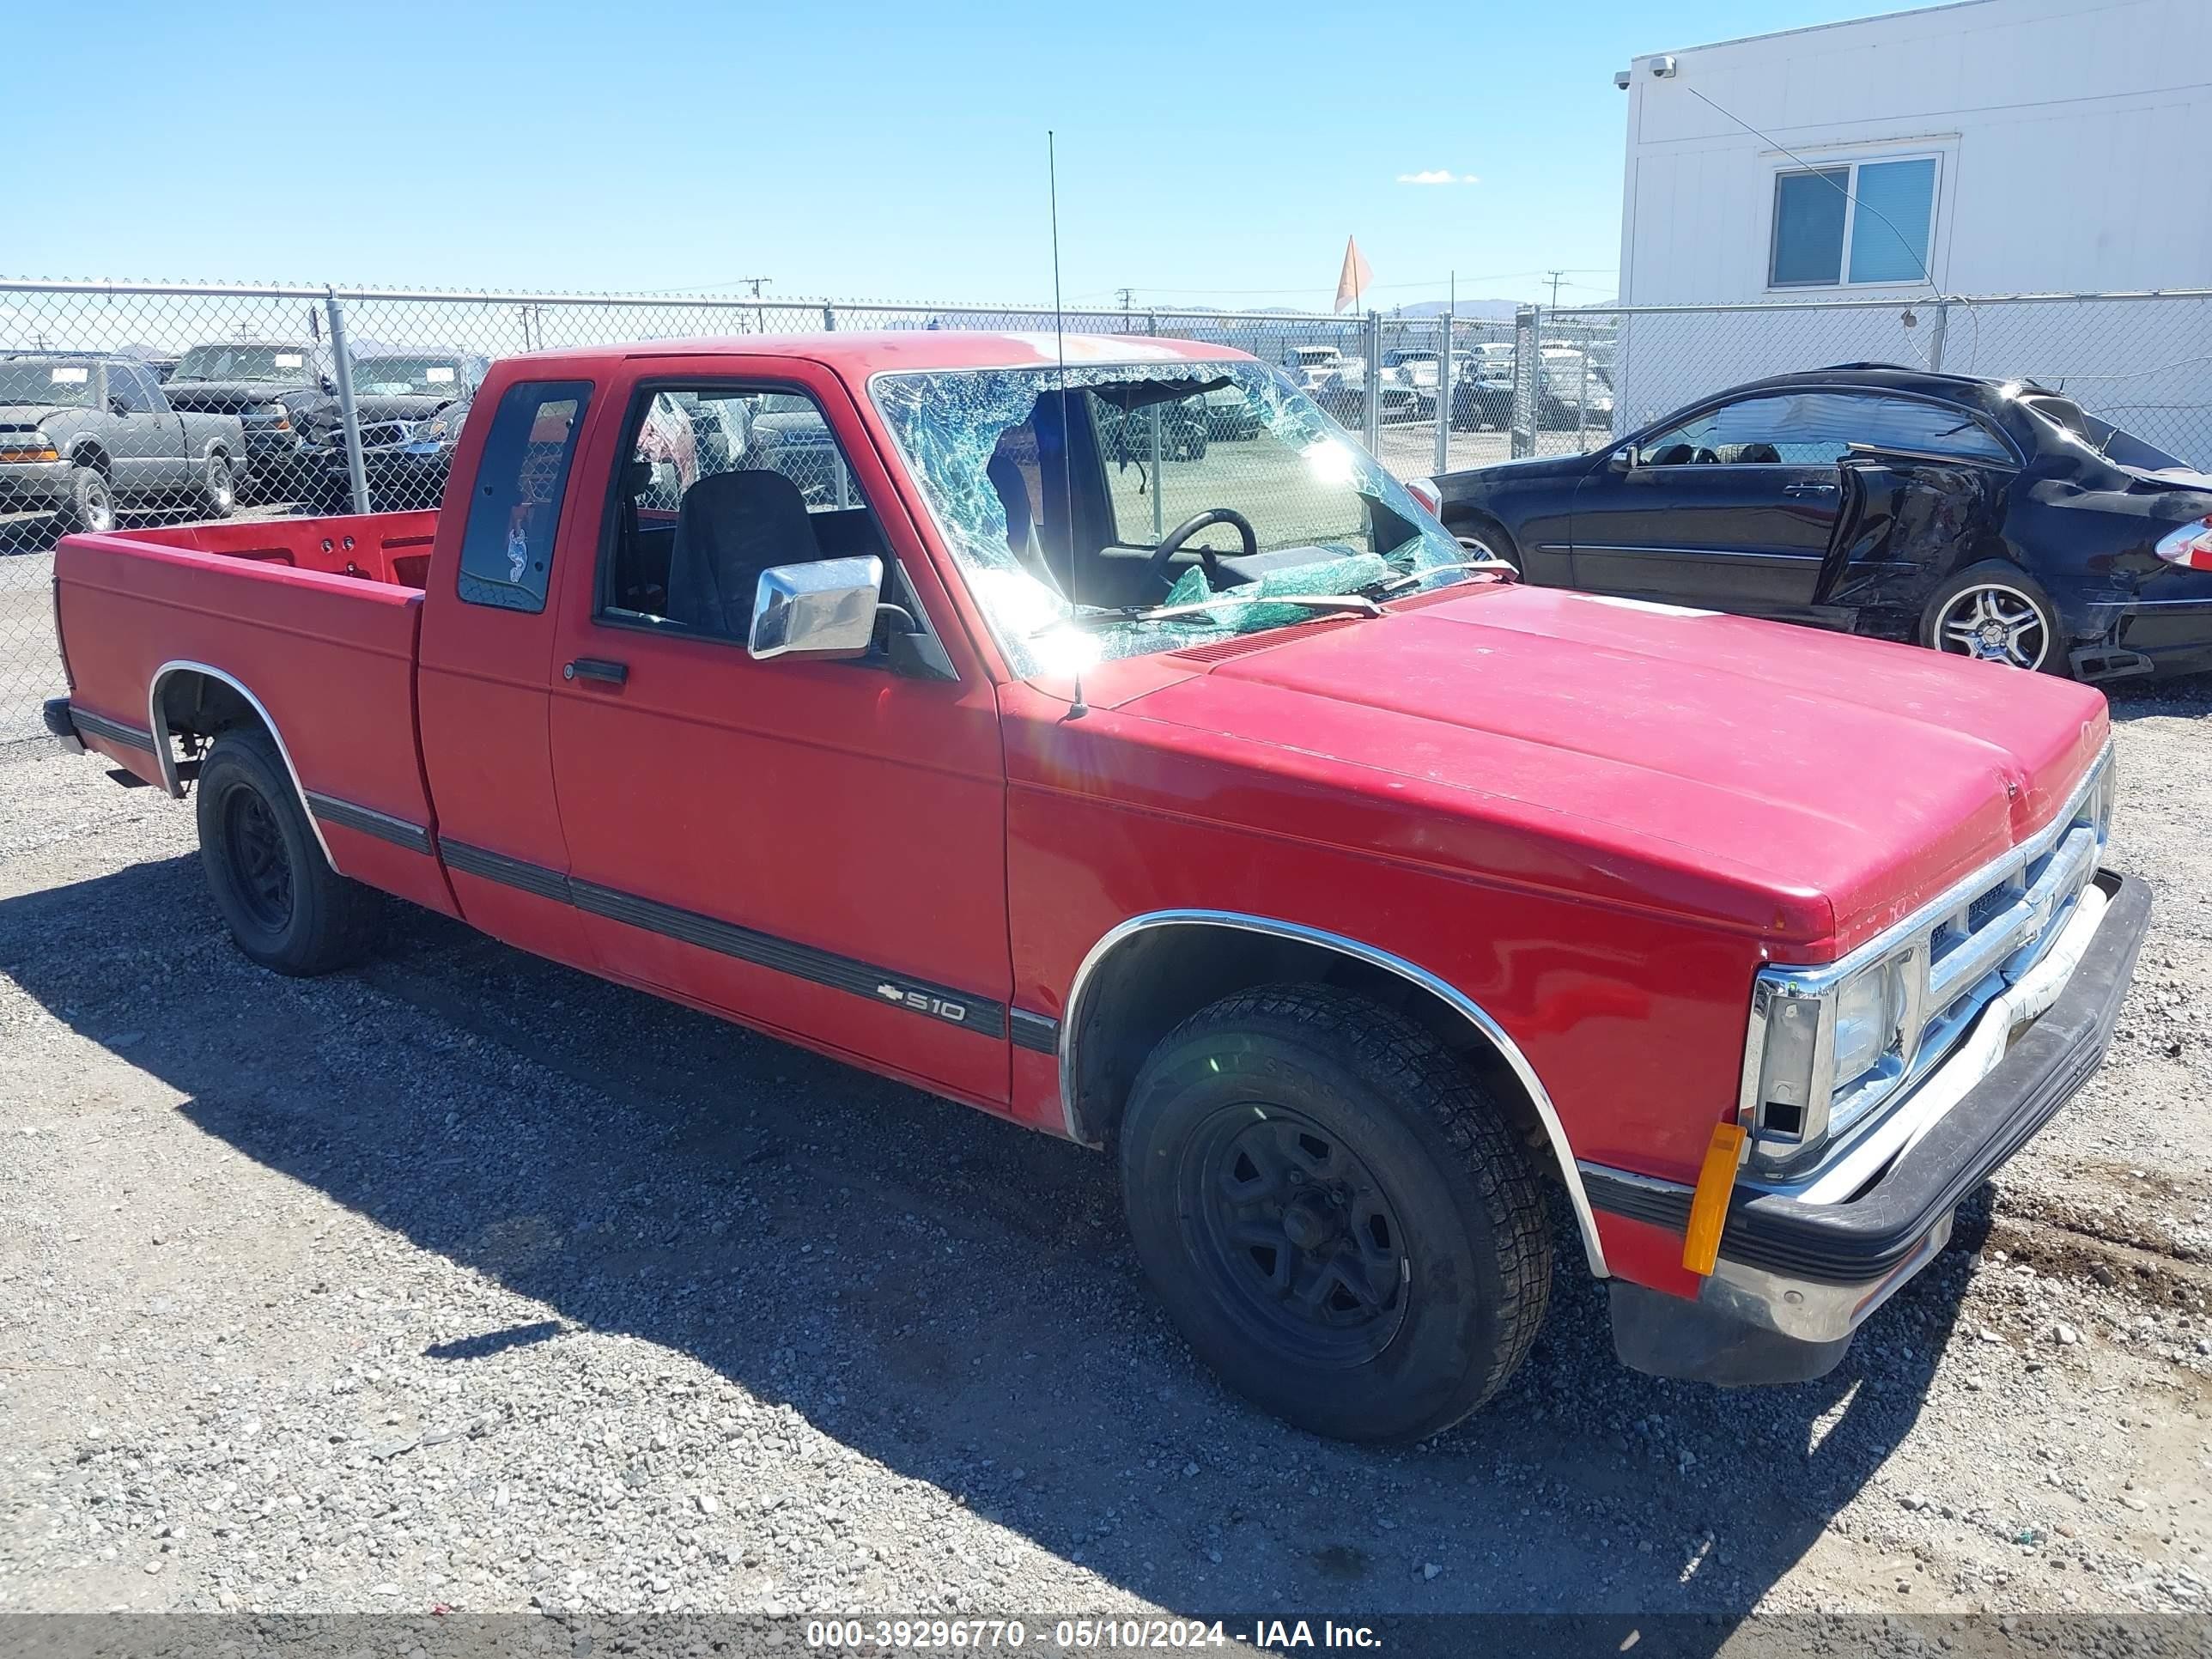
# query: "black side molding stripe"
(1038, 1033)
(509, 873)
(861, 979)
(369, 822)
(99, 725)
(942, 1003)
(1638, 1198)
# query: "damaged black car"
(1995, 520)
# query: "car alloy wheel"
(1994, 623)
(97, 510)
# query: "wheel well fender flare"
(87, 451)
(165, 753)
(1478, 1020)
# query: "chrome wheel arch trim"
(164, 755)
(1562, 1152)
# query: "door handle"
(597, 668)
(1808, 489)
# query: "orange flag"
(1356, 277)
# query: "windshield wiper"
(1413, 576)
(1347, 604)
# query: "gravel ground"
(467, 1281)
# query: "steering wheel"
(1158, 568)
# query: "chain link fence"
(150, 403)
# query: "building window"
(1864, 221)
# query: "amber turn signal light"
(1701, 1244)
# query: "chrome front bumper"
(1801, 1269)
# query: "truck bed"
(315, 620)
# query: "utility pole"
(1125, 292)
(755, 283)
(1555, 275)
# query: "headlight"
(33, 446)
(1824, 1041)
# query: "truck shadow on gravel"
(949, 1296)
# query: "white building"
(1997, 147)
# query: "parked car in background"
(1377, 910)
(1482, 389)
(1988, 519)
(82, 435)
(1572, 393)
(399, 398)
(273, 387)
(1311, 365)
(161, 366)
(1230, 413)
(1417, 370)
(404, 462)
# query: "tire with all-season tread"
(1475, 1250)
(329, 921)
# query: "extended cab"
(84, 435)
(1218, 809)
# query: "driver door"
(1733, 509)
(816, 848)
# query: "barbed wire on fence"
(176, 401)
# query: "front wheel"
(1338, 1219)
(1994, 612)
(288, 909)
(218, 487)
(91, 501)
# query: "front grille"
(1958, 954)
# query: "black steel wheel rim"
(260, 866)
(1294, 1235)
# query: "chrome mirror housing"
(824, 609)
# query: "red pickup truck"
(926, 700)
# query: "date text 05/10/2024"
(899, 1635)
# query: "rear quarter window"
(514, 511)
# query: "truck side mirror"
(1624, 459)
(824, 609)
(117, 406)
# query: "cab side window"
(1817, 428)
(125, 382)
(506, 546)
(722, 483)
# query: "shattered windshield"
(1297, 510)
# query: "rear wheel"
(1996, 613)
(1339, 1220)
(288, 909)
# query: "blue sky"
(1209, 154)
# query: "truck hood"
(229, 397)
(32, 414)
(1814, 786)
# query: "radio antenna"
(1078, 709)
